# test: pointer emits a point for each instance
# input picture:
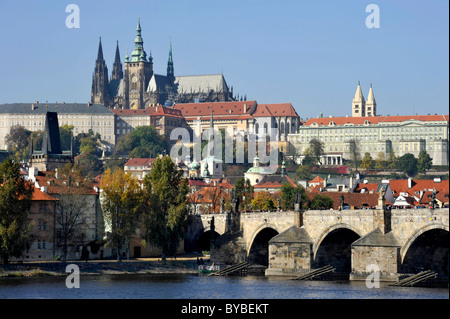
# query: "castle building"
(136, 86)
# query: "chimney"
(32, 107)
(409, 182)
(245, 107)
(44, 189)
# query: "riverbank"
(101, 267)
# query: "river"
(192, 286)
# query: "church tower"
(117, 72)
(170, 72)
(138, 72)
(371, 105)
(99, 92)
(358, 103)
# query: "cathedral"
(136, 86)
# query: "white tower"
(358, 104)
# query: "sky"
(308, 53)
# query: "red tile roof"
(356, 200)
(140, 161)
(274, 181)
(40, 195)
(220, 109)
(316, 179)
(375, 119)
(369, 187)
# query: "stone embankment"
(184, 266)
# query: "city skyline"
(309, 54)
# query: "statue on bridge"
(341, 202)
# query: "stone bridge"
(288, 243)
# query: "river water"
(192, 286)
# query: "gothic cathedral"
(138, 87)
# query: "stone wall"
(289, 259)
(367, 259)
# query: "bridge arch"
(426, 249)
(334, 248)
(418, 233)
(330, 229)
(258, 246)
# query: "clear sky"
(309, 53)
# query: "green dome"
(194, 165)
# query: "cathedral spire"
(117, 72)
(170, 72)
(100, 51)
(358, 103)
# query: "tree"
(424, 162)
(288, 195)
(392, 160)
(165, 206)
(142, 142)
(303, 172)
(65, 136)
(244, 189)
(367, 162)
(355, 155)
(121, 204)
(407, 164)
(18, 137)
(316, 149)
(321, 202)
(71, 208)
(15, 203)
(263, 201)
(380, 162)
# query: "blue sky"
(309, 53)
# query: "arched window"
(265, 128)
(282, 128)
(257, 128)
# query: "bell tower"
(138, 72)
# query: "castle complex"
(136, 86)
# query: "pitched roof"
(369, 187)
(140, 161)
(221, 110)
(40, 195)
(274, 181)
(201, 83)
(375, 119)
(316, 179)
(358, 200)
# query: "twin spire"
(361, 107)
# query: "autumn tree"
(244, 193)
(367, 161)
(263, 201)
(380, 160)
(165, 207)
(143, 141)
(15, 203)
(122, 205)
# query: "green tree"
(15, 203)
(354, 150)
(142, 142)
(121, 204)
(321, 202)
(303, 172)
(391, 162)
(165, 206)
(367, 161)
(288, 195)
(244, 189)
(424, 162)
(65, 136)
(316, 149)
(407, 164)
